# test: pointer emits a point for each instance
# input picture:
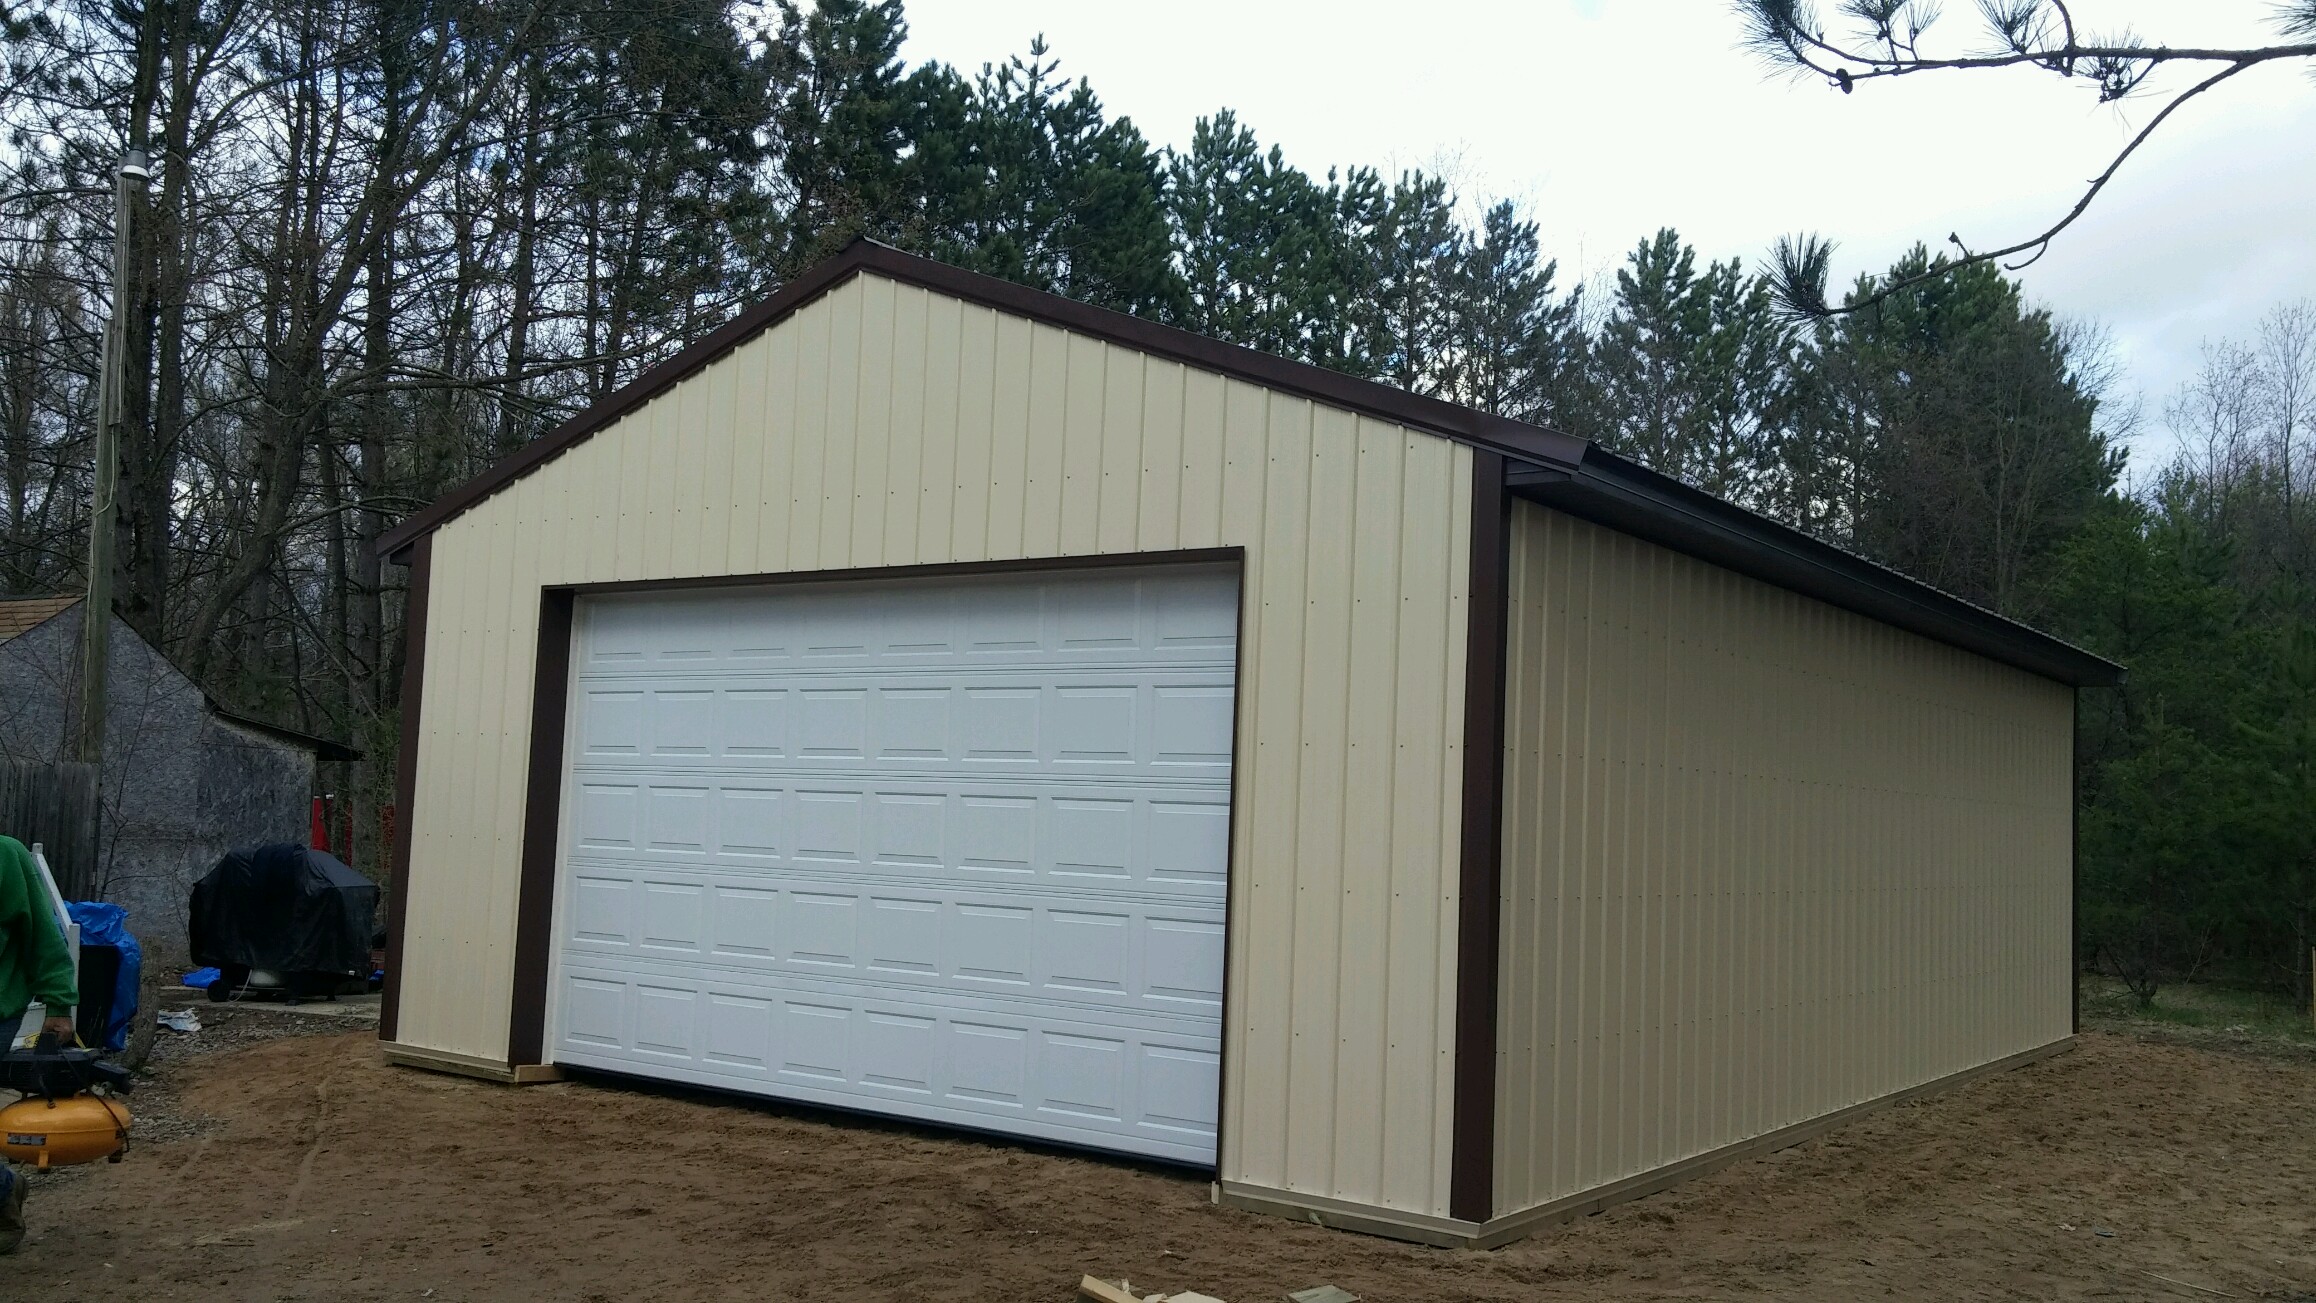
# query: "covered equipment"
(287, 913)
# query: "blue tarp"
(108, 925)
(201, 979)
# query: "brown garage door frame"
(550, 712)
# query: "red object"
(321, 836)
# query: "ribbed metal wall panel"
(1764, 859)
(885, 425)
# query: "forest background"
(389, 241)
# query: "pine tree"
(1970, 437)
(1043, 189)
(1261, 247)
(1690, 373)
(1523, 352)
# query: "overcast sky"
(1610, 118)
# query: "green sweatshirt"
(35, 963)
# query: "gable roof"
(1546, 466)
(21, 615)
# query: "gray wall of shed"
(181, 786)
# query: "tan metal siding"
(1763, 859)
(885, 425)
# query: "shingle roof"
(21, 615)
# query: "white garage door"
(947, 849)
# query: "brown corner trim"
(542, 807)
(421, 559)
(1463, 424)
(1479, 886)
(1233, 872)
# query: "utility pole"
(96, 613)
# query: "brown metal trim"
(1231, 869)
(1332, 387)
(930, 570)
(550, 692)
(421, 559)
(1479, 885)
(542, 813)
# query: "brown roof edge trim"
(1432, 415)
(1623, 495)
(1480, 874)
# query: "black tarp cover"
(284, 908)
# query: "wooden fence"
(55, 805)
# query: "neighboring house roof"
(322, 747)
(1546, 466)
(21, 615)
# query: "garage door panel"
(739, 1033)
(828, 827)
(988, 1064)
(1180, 1087)
(664, 1023)
(1073, 836)
(1040, 1074)
(671, 918)
(594, 1014)
(823, 931)
(608, 814)
(745, 922)
(1189, 844)
(1182, 960)
(950, 851)
(909, 830)
(754, 722)
(678, 816)
(751, 822)
(682, 721)
(832, 723)
(1137, 956)
(611, 722)
(1087, 722)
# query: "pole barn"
(934, 698)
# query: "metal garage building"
(933, 697)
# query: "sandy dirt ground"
(306, 1169)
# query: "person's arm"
(47, 959)
(54, 983)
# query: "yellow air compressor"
(61, 1132)
(68, 1113)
